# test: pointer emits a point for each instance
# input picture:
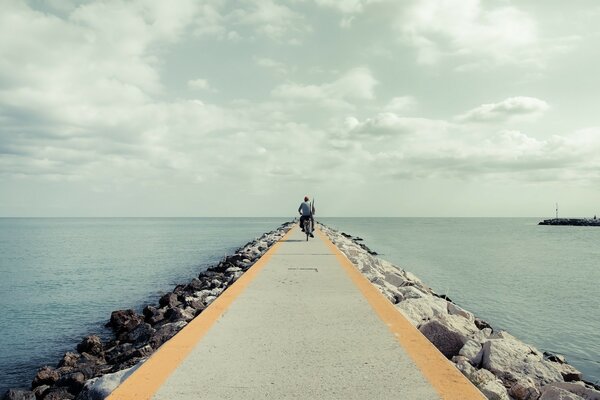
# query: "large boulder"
(73, 382)
(124, 320)
(45, 376)
(473, 350)
(70, 359)
(483, 379)
(91, 345)
(169, 300)
(448, 333)
(578, 388)
(100, 388)
(512, 361)
(422, 309)
(555, 393)
(153, 315)
(141, 334)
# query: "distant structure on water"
(571, 221)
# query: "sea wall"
(500, 365)
(96, 367)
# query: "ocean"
(61, 277)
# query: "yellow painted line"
(446, 379)
(150, 376)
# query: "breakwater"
(356, 250)
(499, 364)
(571, 221)
(97, 366)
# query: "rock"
(473, 350)
(195, 285)
(464, 366)
(45, 376)
(177, 314)
(116, 354)
(494, 390)
(559, 358)
(165, 333)
(394, 278)
(554, 393)
(411, 292)
(124, 320)
(481, 324)
(194, 302)
(73, 382)
(577, 388)
(141, 334)
(453, 309)
(511, 360)
(18, 394)
(58, 393)
(91, 345)
(169, 300)
(69, 360)
(233, 269)
(422, 309)
(40, 391)
(100, 388)
(446, 334)
(524, 389)
(153, 315)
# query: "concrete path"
(299, 328)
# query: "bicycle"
(307, 227)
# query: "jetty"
(301, 323)
(571, 221)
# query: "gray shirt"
(304, 209)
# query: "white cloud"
(272, 20)
(389, 124)
(271, 64)
(356, 84)
(512, 108)
(440, 28)
(401, 104)
(200, 84)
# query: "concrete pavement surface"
(299, 329)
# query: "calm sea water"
(540, 283)
(61, 278)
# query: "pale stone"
(453, 309)
(555, 393)
(512, 360)
(494, 390)
(411, 292)
(99, 388)
(473, 351)
(577, 388)
(423, 309)
(394, 277)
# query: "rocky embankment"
(500, 365)
(97, 367)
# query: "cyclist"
(306, 212)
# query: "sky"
(418, 108)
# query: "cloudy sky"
(239, 108)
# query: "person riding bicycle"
(306, 212)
